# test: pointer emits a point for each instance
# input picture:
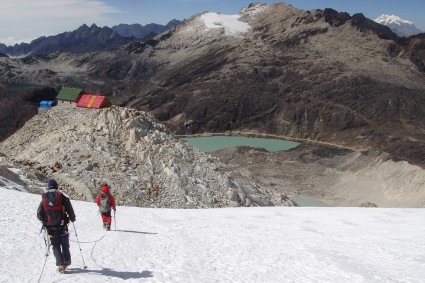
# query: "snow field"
(280, 244)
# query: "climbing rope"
(47, 243)
(90, 242)
(95, 242)
(91, 255)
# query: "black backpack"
(52, 204)
(105, 205)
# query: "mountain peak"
(392, 19)
(83, 26)
(93, 26)
(398, 25)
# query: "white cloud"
(22, 20)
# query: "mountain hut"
(69, 95)
(93, 101)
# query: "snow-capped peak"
(398, 25)
(392, 19)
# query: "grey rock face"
(133, 153)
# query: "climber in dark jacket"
(55, 211)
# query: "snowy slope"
(278, 244)
(230, 23)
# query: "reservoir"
(212, 143)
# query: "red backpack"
(54, 209)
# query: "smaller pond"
(212, 143)
(306, 201)
(18, 86)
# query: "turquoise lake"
(212, 143)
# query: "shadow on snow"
(112, 273)
(138, 232)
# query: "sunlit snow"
(231, 23)
(391, 19)
(280, 244)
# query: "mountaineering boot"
(61, 268)
(66, 264)
(108, 227)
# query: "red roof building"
(93, 101)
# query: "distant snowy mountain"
(398, 25)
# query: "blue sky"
(24, 20)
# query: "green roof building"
(69, 94)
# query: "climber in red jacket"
(106, 202)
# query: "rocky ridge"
(133, 153)
(87, 39)
(143, 32)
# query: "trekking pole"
(75, 230)
(46, 240)
(47, 243)
(115, 221)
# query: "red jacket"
(105, 189)
(111, 200)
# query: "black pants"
(60, 244)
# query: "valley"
(350, 89)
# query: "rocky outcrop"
(368, 204)
(335, 18)
(414, 49)
(363, 24)
(127, 149)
